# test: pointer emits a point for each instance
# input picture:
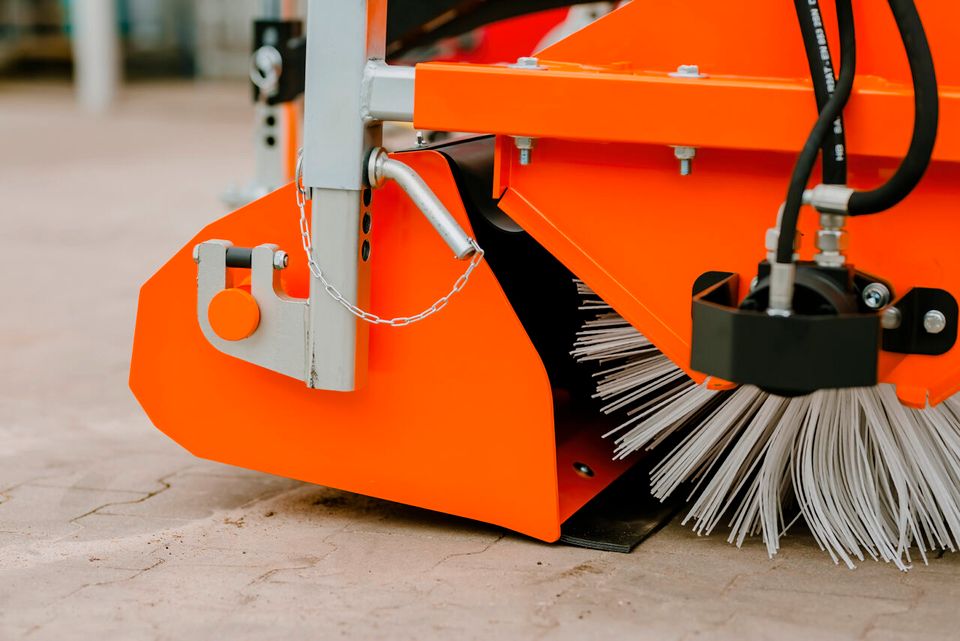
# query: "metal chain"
(334, 293)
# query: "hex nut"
(832, 241)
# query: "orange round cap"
(234, 314)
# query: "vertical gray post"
(272, 127)
(96, 53)
(342, 35)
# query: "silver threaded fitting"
(783, 279)
(833, 240)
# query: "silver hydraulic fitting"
(772, 242)
(783, 280)
(829, 199)
(833, 240)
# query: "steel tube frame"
(342, 37)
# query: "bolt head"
(687, 71)
(584, 470)
(935, 322)
(891, 318)
(281, 260)
(523, 143)
(876, 296)
(528, 62)
(685, 155)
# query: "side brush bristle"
(870, 477)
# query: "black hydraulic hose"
(824, 84)
(829, 115)
(926, 120)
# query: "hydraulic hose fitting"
(783, 279)
(773, 239)
(833, 240)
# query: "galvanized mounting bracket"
(280, 342)
(349, 92)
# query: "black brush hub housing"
(832, 340)
(820, 291)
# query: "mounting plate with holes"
(915, 333)
(241, 314)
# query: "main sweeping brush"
(869, 477)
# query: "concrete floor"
(110, 531)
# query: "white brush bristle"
(869, 477)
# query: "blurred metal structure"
(277, 76)
(31, 29)
(96, 53)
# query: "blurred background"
(124, 126)
(206, 39)
(103, 44)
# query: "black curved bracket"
(801, 354)
(789, 356)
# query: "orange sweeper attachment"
(640, 261)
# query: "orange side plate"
(457, 413)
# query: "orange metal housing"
(457, 414)
(604, 195)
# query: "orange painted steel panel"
(610, 83)
(623, 219)
(604, 195)
(755, 38)
(612, 106)
(292, 137)
(457, 413)
(582, 444)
